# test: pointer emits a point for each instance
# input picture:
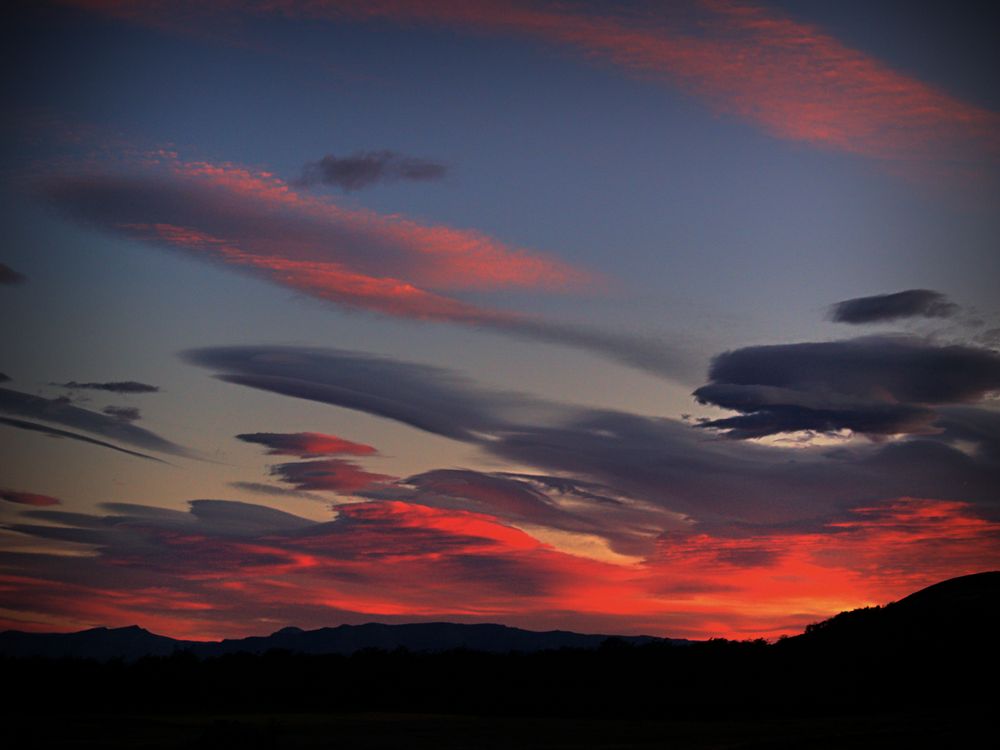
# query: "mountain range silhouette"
(943, 613)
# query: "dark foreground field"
(953, 729)
(921, 673)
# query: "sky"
(665, 318)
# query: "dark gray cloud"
(328, 474)
(21, 424)
(28, 498)
(120, 386)
(9, 276)
(628, 525)
(366, 168)
(648, 461)
(912, 303)
(124, 413)
(871, 385)
(4, 378)
(718, 481)
(60, 411)
(273, 490)
(429, 398)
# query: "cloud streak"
(357, 259)
(124, 413)
(21, 424)
(128, 387)
(788, 78)
(61, 412)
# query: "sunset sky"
(676, 318)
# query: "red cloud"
(397, 561)
(28, 498)
(787, 77)
(334, 474)
(307, 444)
(435, 256)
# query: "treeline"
(702, 680)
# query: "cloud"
(429, 398)
(871, 385)
(913, 303)
(121, 386)
(273, 490)
(787, 78)
(219, 208)
(224, 568)
(366, 168)
(28, 498)
(60, 411)
(54, 432)
(11, 277)
(4, 378)
(586, 510)
(330, 474)
(124, 413)
(659, 463)
(306, 444)
(357, 259)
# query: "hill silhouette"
(131, 643)
(949, 615)
(916, 673)
(945, 615)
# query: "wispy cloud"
(21, 424)
(124, 413)
(356, 259)
(62, 412)
(788, 78)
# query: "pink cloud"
(254, 221)
(788, 78)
